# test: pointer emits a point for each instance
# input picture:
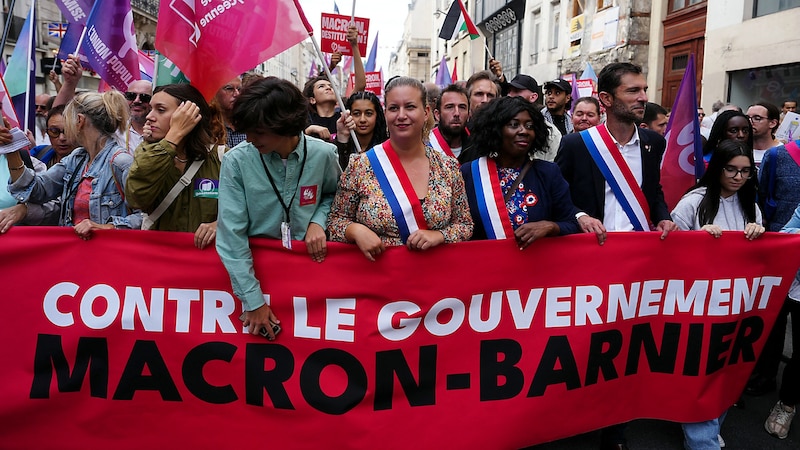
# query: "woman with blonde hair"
(91, 179)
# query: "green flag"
(167, 72)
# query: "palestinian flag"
(457, 19)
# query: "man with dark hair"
(451, 112)
(280, 184)
(765, 118)
(623, 92)
(788, 106)
(558, 102)
(524, 86)
(655, 118)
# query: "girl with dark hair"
(725, 197)
(723, 200)
(535, 197)
(177, 133)
(730, 124)
(370, 125)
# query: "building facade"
(413, 55)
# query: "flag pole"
(155, 71)
(335, 91)
(353, 13)
(487, 49)
(31, 52)
(7, 25)
(325, 66)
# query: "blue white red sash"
(397, 189)
(489, 197)
(618, 175)
(438, 142)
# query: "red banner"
(132, 339)
(333, 34)
(374, 83)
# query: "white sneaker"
(779, 420)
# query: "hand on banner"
(529, 232)
(260, 318)
(367, 241)
(183, 120)
(344, 125)
(316, 242)
(425, 239)
(205, 234)
(497, 69)
(713, 230)
(665, 226)
(753, 230)
(12, 216)
(589, 224)
(85, 228)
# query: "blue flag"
(373, 54)
(110, 43)
(20, 76)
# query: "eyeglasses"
(230, 88)
(54, 132)
(756, 118)
(131, 96)
(731, 172)
(701, 115)
(38, 107)
(514, 125)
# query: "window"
(680, 62)
(506, 50)
(675, 5)
(577, 7)
(555, 26)
(764, 7)
(537, 37)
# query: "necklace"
(181, 160)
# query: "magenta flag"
(110, 43)
(212, 44)
(682, 164)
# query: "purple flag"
(313, 72)
(443, 75)
(110, 43)
(75, 11)
(682, 164)
(574, 94)
(373, 54)
(70, 42)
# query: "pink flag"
(682, 164)
(7, 107)
(211, 46)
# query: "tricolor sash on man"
(438, 142)
(489, 197)
(397, 189)
(618, 175)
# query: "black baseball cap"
(522, 82)
(559, 83)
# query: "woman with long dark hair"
(177, 133)
(730, 124)
(370, 125)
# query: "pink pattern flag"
(211, 46)
(682, 164)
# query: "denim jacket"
(109, 171)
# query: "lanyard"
(275, 188)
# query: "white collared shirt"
(614, 217)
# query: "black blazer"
(587, 183)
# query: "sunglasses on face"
(131, 96)
(54, 132)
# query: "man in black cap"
(524, 86)
(558, 101)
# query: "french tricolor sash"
(618, 175)
(489, 197)
(397, 189)
(438, 142)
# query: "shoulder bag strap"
(184, 181)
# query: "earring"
(493, 155)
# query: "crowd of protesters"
(265, 158)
